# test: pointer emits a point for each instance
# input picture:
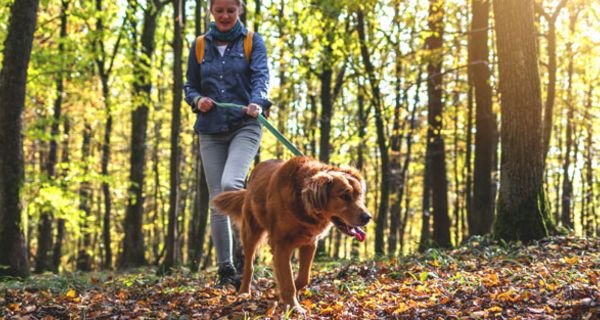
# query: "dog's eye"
(346, 196)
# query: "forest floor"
(556, 278)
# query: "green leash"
(268, 125)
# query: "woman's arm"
(192, 83)
(259, 73)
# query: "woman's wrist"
(195, 101)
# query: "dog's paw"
(295, 308)
(299, 310)
(244, 295)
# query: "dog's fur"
(293, 203)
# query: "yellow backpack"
(247, 46)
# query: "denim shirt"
(228, 78)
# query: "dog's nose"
(365, 217)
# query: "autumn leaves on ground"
(552, 279)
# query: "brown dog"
(294, 203)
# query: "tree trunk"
(481, 215)
(435, 141)
(200, 213)
(590, 207)
(281, 105)
(104, 71)
(362, 132)
(522, 208)
(54, 131)
(551, 91)
(313, 124)
(13, 77)
(407, 158)
(174, 189)
(567, 186)
(326, 112)
(257, 6)
(133, 242)
(468, 161)
(84, 259)
(396, 184)
(377, 102)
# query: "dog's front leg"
(282, 253)
(250, 241)
(306, 255)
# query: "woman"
(229, 138)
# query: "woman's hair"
(239, 2)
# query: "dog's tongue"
(358, 233)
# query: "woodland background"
(407, 91)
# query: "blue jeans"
(226, 158)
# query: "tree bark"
(362, 132)
(104, 65)
(281, 105)
(54, 132)
(84, 259)
(174, 168)
(435, 140)
(13, 77)
(377, 104)
(200, 207)
(133, 243)
(396, 184)
(567, 186)
(481, 215)
(551, 90)
(522, 208)
(590, 207)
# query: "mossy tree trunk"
(523, 213)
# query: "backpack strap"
(248, 44)
(200, 49)
(200, 43)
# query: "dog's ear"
(315, 191)
(353, 172)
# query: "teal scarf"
(226, 36)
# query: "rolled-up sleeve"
(259, 77)
(192, 83)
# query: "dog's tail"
(230, 203)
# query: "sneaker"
(228, 275)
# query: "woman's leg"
(242, 149)
(213, 151)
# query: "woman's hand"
(253, 110)
(205, 104)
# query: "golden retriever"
(294, 203)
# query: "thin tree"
(522, 211)
(567, 186)
(54, 132)
(105, 62)
(330, 88)
(84, 259)
(436, 154)
(200, 207)
(398, 128)
(481, 215)
(13, 78)
(551, 90)
(133, 242)
(589, 209)
(377, 103)
(174, 168)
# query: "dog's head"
(339, 196)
